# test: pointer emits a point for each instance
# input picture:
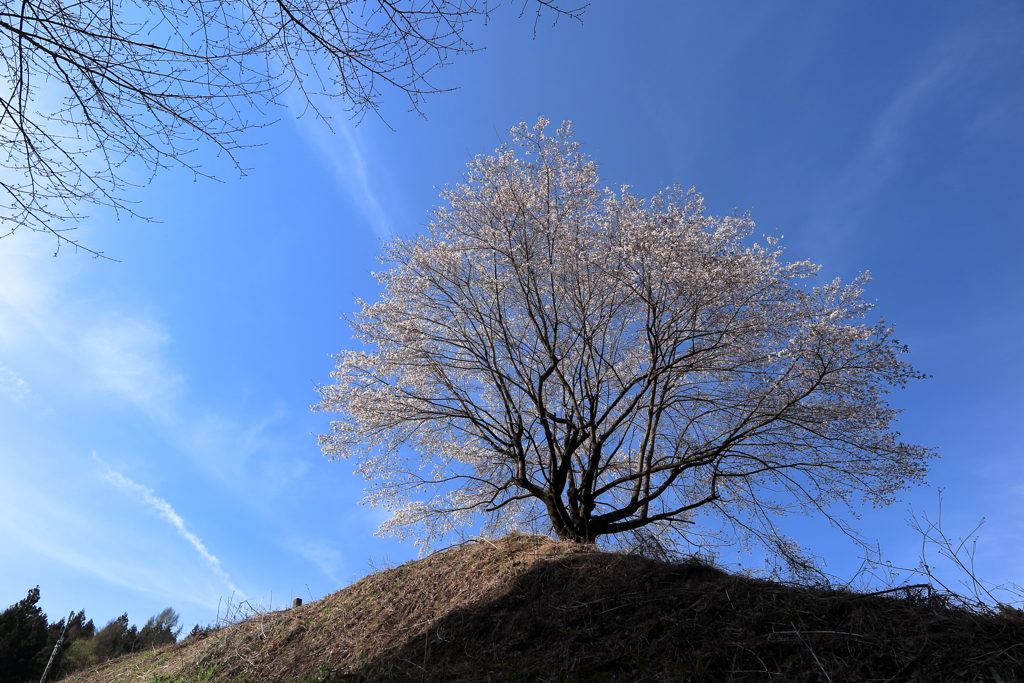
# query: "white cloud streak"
(124, 354)
(168, 513)
(324, 554)
(345, 153)
(868, 173)
(58, 339)
(11, 385)
(950, 67)
(50, 327)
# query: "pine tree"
(23, 636)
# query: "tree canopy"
(557, 356)
(27, 640)
(23, 639)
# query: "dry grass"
(525, 608)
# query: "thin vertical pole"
(56, 648)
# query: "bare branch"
(92, 88)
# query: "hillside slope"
(525, 608)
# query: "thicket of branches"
(89, 87)
(558, 356)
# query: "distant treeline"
(27, 639)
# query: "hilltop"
(525, 608)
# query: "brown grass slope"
(525, 608)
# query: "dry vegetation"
(525, 608)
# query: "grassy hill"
(525, 608)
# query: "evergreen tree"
(23, 636)
(27, 640)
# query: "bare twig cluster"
(96, 95)
(957, 582)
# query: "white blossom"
(558, 356)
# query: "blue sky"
(156, 443)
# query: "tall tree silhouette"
(23, 636)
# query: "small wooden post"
(297, 602)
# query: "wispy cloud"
(889, 131)
(842, 201)
(167, 512)
(12, 386)
(324, 554)
(343, 148)
(124, 354)
(60, 342)
(57, 333)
